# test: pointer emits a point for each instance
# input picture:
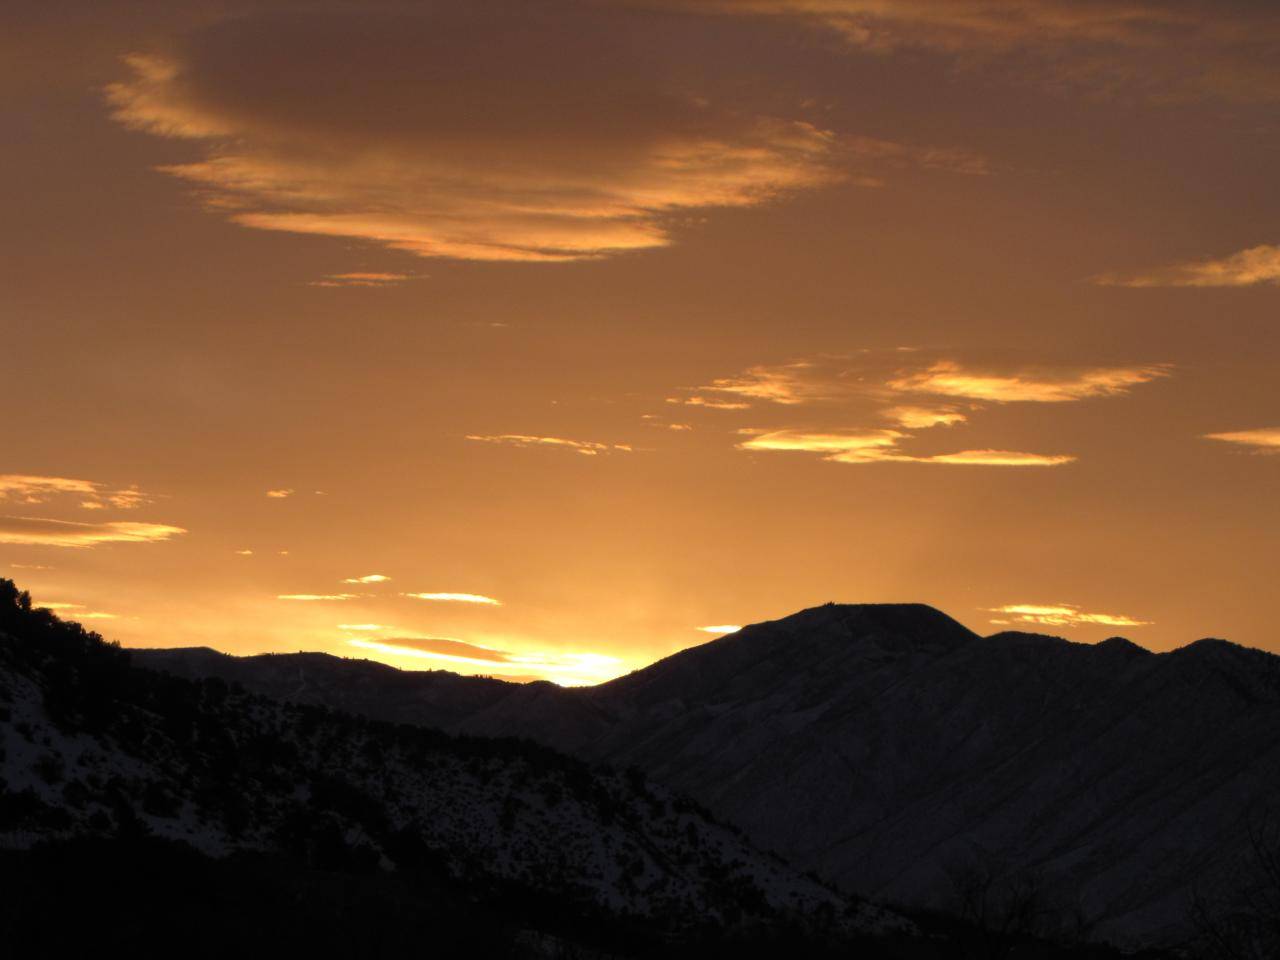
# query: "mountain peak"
(917, 620)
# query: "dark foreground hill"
(892, 749)
(169, 798)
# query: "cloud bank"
(502, 131)
(40, 531)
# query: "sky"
(543, 339)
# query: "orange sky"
(532, 338)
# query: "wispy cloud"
(1061, 615)
(882, 446)
(368, 578)
(1265, 440)
(1153, 48)
(374, 280)
(1257, 265)
(455, 598)
(589, 448)
(864, 377)
(317, 596)
(721, 628)
(798, 381)
(949, 379)
(711, 403)
(869, 445)
(40, 531)
(25, 488)
(77, 611)
(280, 494)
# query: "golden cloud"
(1265, 440)
(280, 494)
(787, 384)
(26, 488)
(368, 578)
(72, 610)
(922, 418)
(711, 403)
(997, 458)
(1061, 615)
(869, 444)
(39, 531)
(455, 598)
(547, 133)
(317, 597)
(362, 280)
(1248, 268)
(882, 446)
(721, 628)
(589, 448)
(947, 378)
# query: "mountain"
(193, 777)
(909, 759)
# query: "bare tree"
(1240, 919)
(1004, 905)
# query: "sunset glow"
(525, 338)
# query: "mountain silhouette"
(526, 841)
(895, 751)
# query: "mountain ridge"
(907, 750)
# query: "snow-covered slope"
(909, 754)
(93, 746)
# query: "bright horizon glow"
(578, 326)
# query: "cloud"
(280, 494)
(25, 488)
(311, 597)
(922, 418)
(1188, 49)
(947, 378)
(997, 458)
(455, 598)
(787, 384)
(721, 628)
(362, 627)
(1248, 268)
(1061, 615)
(882, 446)
(39, 531)
(589, 448)
(711, 403)
(564, 668)
(244, 553)
(72, 610)
(369, 578)
(362, 280)
(869, 444)
(497, 131)
(1265, 440)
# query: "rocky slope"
(892, 749)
